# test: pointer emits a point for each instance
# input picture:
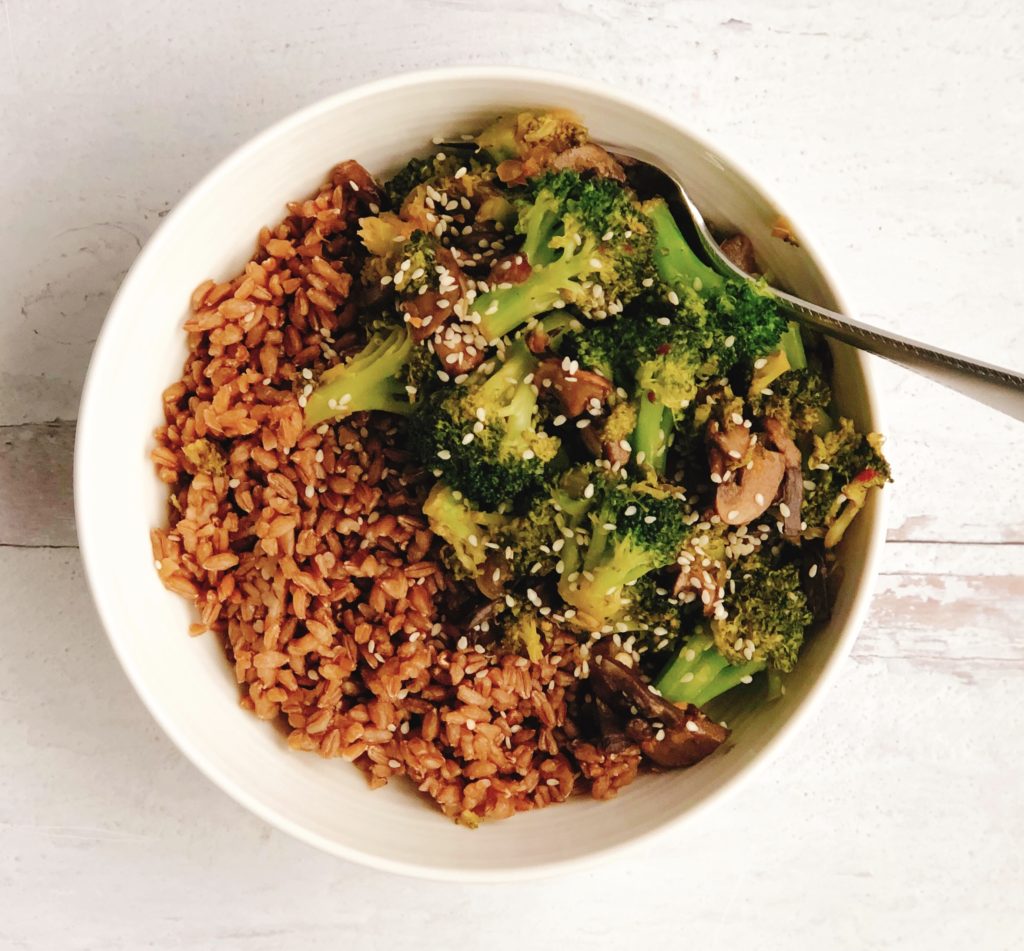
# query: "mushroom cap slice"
(792, 490)
(752, 489)
(576, 390)
(668, 735)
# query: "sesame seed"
(673, 298)
(732, 514)
(691, 726)
(467, 439)
(812, 571)
(784, 509)
(461, 171)
(747, 679)
(582, 423)
(444, 454)
(559, 420)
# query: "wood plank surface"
(892, 130)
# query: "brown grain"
(331, 603)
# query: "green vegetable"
(799, 399)
(838, 474)
(374, 379)
(465, 529)
(575, 239)
(634, 530)
(483, 438)
(766, 618)
(744, 310)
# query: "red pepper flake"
(651, 398)
(865, 475)
(664, 348)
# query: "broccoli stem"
(698, 672)
(792, 344)
(371, 380)
(654, 425)
(504, 309)
(675, 260)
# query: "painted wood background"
(894, 821)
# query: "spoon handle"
(997, 387)
(1000, 388)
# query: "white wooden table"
(894, 821)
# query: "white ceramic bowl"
(186, 683)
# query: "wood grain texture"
(893, 131)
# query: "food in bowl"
(484, 478)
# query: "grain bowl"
(188, 687)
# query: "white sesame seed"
(812, 571)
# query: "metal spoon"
(998, 387)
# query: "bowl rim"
(95, 572)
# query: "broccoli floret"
(767, 615)
(799, 399)
(415, 172)
(651, 613)
(409, 262)
(532, 543)
(634, 530)
(586, 241)
(838, 474)
(482, 437)
(662, 353)
(465, 529)
(524, 634)
(518, 134)
(744, 310)
(379, 377)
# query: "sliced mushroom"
(792, 489)
(459, 348)
(740, 250)
(729, 446)
(511, 269)
(576, 390)
(357, 182)
(668, 735)
(589, 158)
(752, 489)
